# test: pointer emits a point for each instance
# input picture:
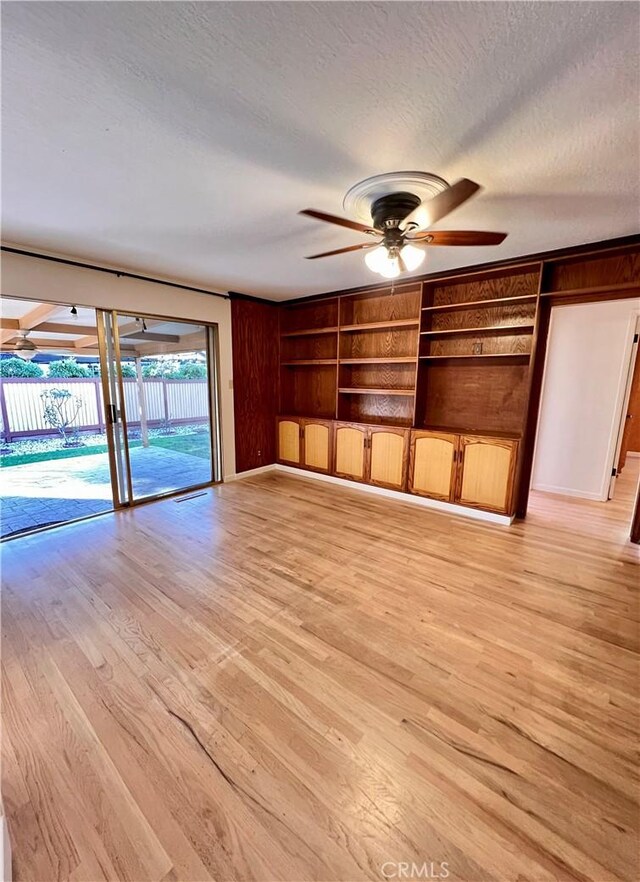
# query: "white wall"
(586, 367)
(31, 278)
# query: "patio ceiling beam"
(83, 342)
(151, 337)
(59, 345)
(188, 343)
(36, 316)
(55, 328)
(53, 343)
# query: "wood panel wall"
(256, 365)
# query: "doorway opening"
(585, 472)
(101, 410)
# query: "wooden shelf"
(523, 355)
(306, 361)
(307, 332)
(409, 359)
(375, 326)
(526, 328)
(479, 304)
(363, 390)
(601, 289)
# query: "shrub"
(175, 370)
(68, 367)
(128, 370)
(193, 371)
(18, 367)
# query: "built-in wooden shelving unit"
(352, 358)
(475, 346)
(454, 351)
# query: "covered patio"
(53, 491)
(51, 402)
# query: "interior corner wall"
(31, 278)
(256, 367)
(586, 368)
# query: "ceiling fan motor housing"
(389, 211)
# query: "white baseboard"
(444, 507)
(240, 476)
(568, 491)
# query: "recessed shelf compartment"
(380, 326)
(351, 390)
(309, 317)
(479, 304)
(524, 328)
(382, 306)
(378, 407)
(309, 361)
(520, 355)
(311, 332)
(621, 287)
(409, 359)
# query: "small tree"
(60, 411)
(68, 367)
(128, 370)
(18, 367)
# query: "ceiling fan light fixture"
(412, 257)
(380, 261)
(377, 259)
(25, 349)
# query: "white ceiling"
(180, 139)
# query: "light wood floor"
(283, 680)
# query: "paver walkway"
(42, 493)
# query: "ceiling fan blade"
(427, 213)
(457, 237)
(333, 219)
(343, 250)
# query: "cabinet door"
(289, 441)
(350, 445)
(388, 456)
(486, 472)
(433, 464)
(316, 449)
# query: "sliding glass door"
(160, 387)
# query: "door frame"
(213, 376)
(633, 355)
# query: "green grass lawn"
(197, 444)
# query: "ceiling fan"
(402, 220)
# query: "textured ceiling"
(181, 138)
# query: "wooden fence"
(167, 401)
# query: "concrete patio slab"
(54, 491)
